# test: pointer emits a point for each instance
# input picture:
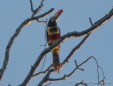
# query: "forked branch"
(18, 30)
(67, 58)
(66, 36)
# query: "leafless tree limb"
(81, 83)
(76, 63)
(103, 74)
(47, 84)
(42, 72)
(41, 21)
(64, 77)
(73, 50)
(45, 51)
(30, 74)
(97, 68)
(46, 78)
(25, 22)
(31, 5)
(99, 81)
(62, 64)
(90, 21)
(67, 58)
(37, 9)
(68, 35)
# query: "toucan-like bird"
(53, 34)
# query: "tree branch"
(90, 21)
(81, 83)
(42, 72)
(25, 22)
(74, 49)
(67, 58)
(62, 64)
(31, 5)
(46, 77)
(37, 9)
(66, 76)
(68, 35)
(45, 51)
(99, 81)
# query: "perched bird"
(53, 34)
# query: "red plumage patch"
(53, 37)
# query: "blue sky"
(26, 47)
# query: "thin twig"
(81, 83)
(91, 21)
(31, 5)
(71, 53)
(76, 63)
(47, 84)
(102, 72)
(46, 77)
(74, 49)
(66, 76)
(102, 81)
(97, 69)
(37, 9)
(45, 45)
(18, 30)
(42, 15)
(41, 21)
(36, 64)
(43, 72)
(43, 63)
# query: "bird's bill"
(56, 16)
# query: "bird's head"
(53, 20)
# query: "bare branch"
(90, 21)
(46, 77)
(45, 51)
(97, 68)
(102, 72)
(42, 72)
(47, 84)
(99, 81)
(65, 60)
(41, 21)
(25, 22)
(76, 63)
(67, 56)
(81, 83)
(73, 50)
(74, 34)
(42, 15)
(102, 81)
(37, 9)
(99, 22)
(31, 5)
(66, 76)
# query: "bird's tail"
(56, 61)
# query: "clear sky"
(26, 47)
